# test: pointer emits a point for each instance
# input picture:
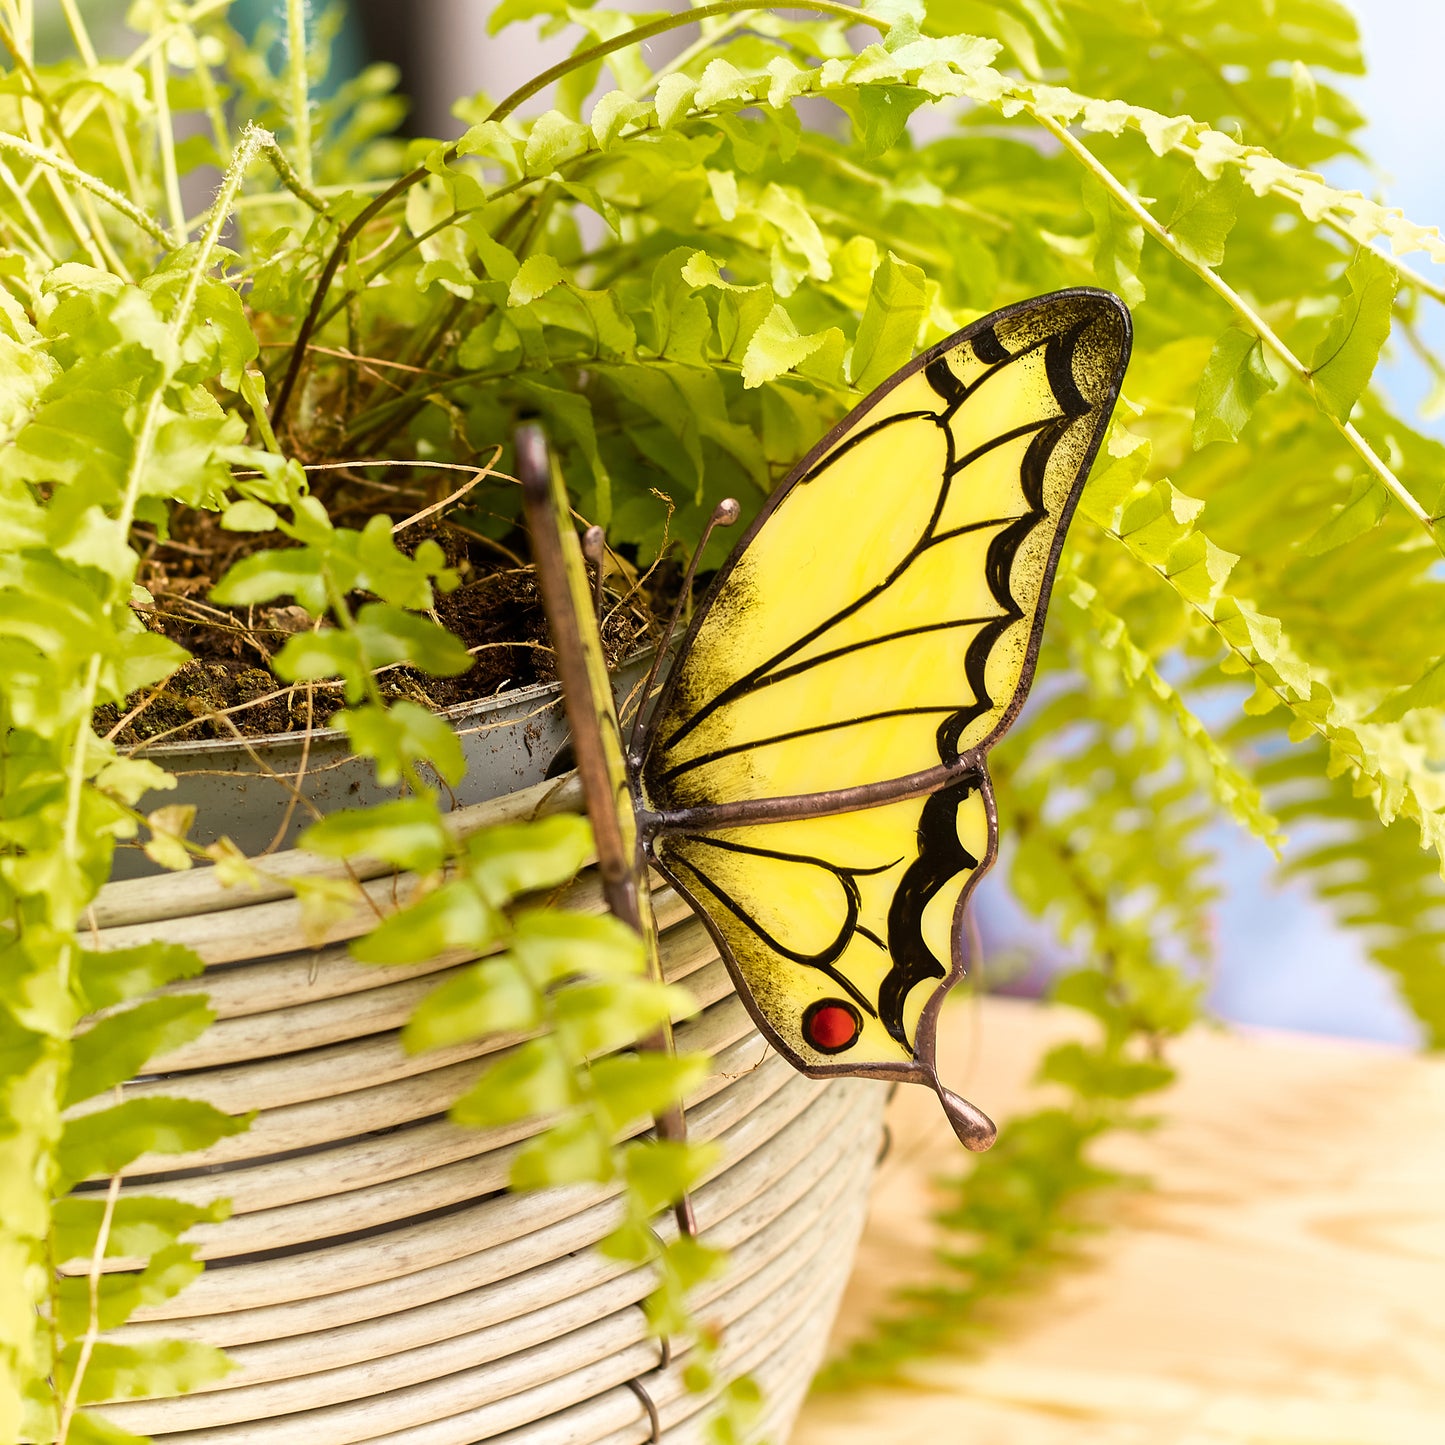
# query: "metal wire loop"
(652, 1417)
(664, 1342)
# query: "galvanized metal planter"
(246, 788)
(376, 1282)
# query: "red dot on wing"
(831, 1026)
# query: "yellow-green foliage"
(690, 284)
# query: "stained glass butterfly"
(812, 776)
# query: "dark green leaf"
(882, 115)
(1118, 243)
(1427, 691)
(571, 415)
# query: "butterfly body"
(813, 775)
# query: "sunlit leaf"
(450, 917)
(1233, 383)
(1345, 359)
(110, 1139)
(407, 832)
(509, 859)
(114, 1049)
(491, 997)
(532, 1081)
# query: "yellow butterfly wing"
(812, 776)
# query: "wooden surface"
(1283, 1283)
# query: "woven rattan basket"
(375, 1282)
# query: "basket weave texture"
(376, 1281)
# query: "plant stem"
(410, 243)
(75, 779)
(81, 36)
(252, 389)
(79, 232)
(300, 94)
(42, 157)
(24, 26)
(40, 240)
(1246, 313)
(254, 139)
(156, 40)
(94, 232)
(254, 142)
(540, 82)
(1330, 739)
(700, 46)
(165, 133)
(503, 109)
(287, 174)
(269, 150)
(215, 112)
(92, 1328)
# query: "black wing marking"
(941, 859)
(821, 959)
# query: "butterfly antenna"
(594, 548)
(724, 514)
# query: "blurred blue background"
(1282, 961)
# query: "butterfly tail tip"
(975, 1130)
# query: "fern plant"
(689, 284)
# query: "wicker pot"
(376, 1282)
